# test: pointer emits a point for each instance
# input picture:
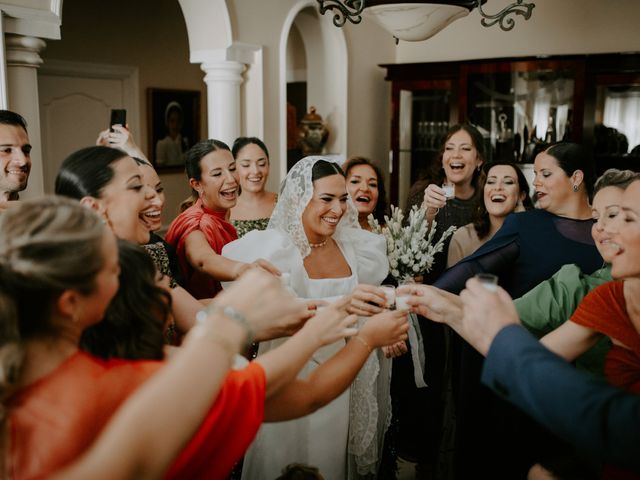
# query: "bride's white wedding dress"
(343, 439)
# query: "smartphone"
(118, 117)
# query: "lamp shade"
(414, 22)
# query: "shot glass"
(449, 190)
(401, 302)
(390, 294)
(488, 281)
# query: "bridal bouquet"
(410, 250)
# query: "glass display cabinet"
(520, 105)
(520, 111)
(424, 122)
(616, 121)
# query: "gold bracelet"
(363, 341)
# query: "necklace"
(318, 245)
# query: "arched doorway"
(313, 54)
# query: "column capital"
(223, 71)
(23, 51)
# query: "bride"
(315, 240)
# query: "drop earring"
(575, 188)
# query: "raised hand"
(314, 304)
(433, 303)
(290, 324)
(267, 266)
(395, 350)
(434, 200)
(386, 328)
(262, 300)
(366, 300)
(486, 312)
(332, 323)
(120, 138)
(259, 264)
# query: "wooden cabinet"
(519, 104)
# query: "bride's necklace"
(318, 245)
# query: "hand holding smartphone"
(118, 117)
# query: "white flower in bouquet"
(410, 248)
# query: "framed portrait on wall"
(173, 125)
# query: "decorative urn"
(312, 133)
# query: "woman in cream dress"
(315, 240)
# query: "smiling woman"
(461, 158)
(366, 187)
(314, 237)
(112, 183)
(505, 190)
(255, 204)
(199, 233)
(109, 181)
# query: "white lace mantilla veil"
(370, 404)
(295, 193)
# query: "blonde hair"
(615, 178)
(47, 245)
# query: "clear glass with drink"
(488, 281)
(390, 295)
(449, 190)
(401, 299)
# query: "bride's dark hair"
(324, 168)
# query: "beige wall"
(556, 27)
(148, 34)
(368, 95)
(151, 35)
(369, 112)
(261, 23)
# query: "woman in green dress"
(255, 204)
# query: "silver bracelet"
(232, 314)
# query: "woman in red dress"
(199, 233)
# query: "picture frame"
(173, 118)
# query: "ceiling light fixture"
(416, 21)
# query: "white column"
(23, 59)
(223, 79)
